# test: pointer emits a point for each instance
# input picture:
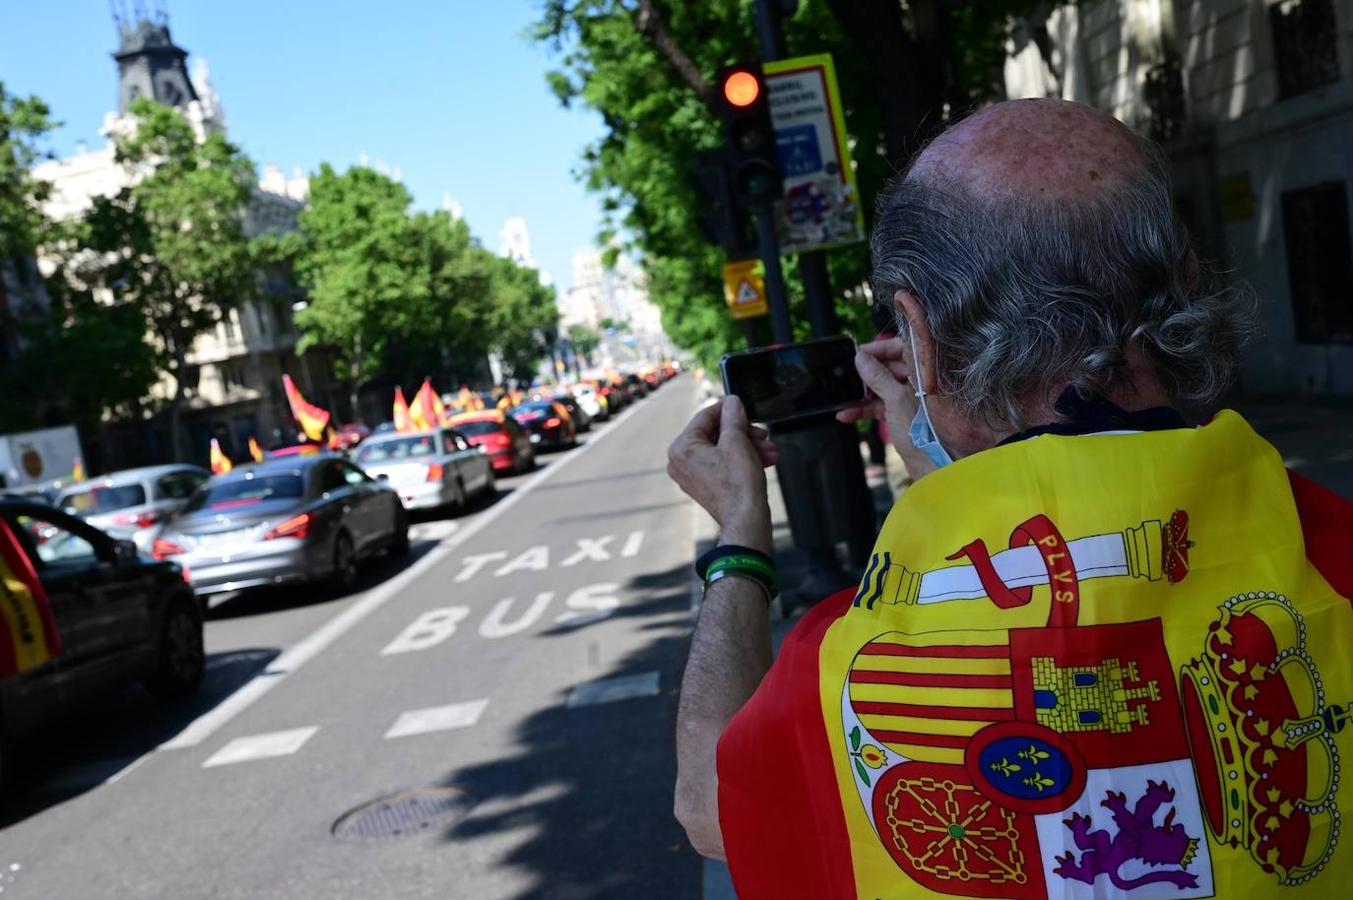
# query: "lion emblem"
(1138, 838)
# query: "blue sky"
(447, 90)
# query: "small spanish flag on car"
(220, 463)
(403, 418)
(255, 450)
(28, 635)
(312, 419)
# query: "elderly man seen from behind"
(1095, 652)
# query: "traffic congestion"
(136, 563)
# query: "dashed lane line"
(207, 724)
(437, 718)
(261, 746)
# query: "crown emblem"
(1262, 734)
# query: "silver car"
(132, 504)
(283, 521)
(430, 469)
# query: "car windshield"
(103, 499)
(479, 427)
(397, 450)
(533, 410)
(247, 491)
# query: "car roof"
(287, 465)
(393, 435)
(130, 476)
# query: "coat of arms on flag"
(1063, 761)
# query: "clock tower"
(149, 64)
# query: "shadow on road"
(583, 782)
(94, 741)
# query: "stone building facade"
(1253, 100)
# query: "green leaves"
(413, 293)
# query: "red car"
(507, 443)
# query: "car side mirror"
(124, 551)
(383, 476)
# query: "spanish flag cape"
(28, 632)
(1109, 665)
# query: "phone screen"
(792, 380)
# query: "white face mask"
(922, 432)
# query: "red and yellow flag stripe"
(28, 634)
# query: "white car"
(591, 402)
(429, 469)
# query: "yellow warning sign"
(744, 287)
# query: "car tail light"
(295, 527)
(435, 472)
(553, 422)
(140, 520)
(499, 439)
(163, 549)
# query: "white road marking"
(590, 549)
(437, 718)
(494, 625)
(209, 722)
(613, 689)
(476, 561)
(534, 559)
(632, 544)
(433, 531)
(590, 604)
(261, 746)
(428, 630)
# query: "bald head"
(1048, 148)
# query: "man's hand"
(718, 461)
(886, 372)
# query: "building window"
(1304, 44)
(1320, 263)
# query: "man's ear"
(911, 310)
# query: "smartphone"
(787, 381)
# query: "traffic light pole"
(768, 248)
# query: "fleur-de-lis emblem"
(1039, 781)
(1006, 767)
(1033, 754)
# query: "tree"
(63, 356)
(584, 340)
(364, 266)
(172, 244)
(646, 68)
(523, 319)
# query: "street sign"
(821, 203)
(744, 287)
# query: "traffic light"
(744, 104)
(722, 221)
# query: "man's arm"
(730, 654)
(719, 461)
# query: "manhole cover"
(403, 813)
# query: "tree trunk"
(176, 410)
(355, 388)
(909, 77)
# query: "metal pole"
(768, 248)
(770, 29)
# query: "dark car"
(635, 387)
(296, 519)
(547, 423)
(507, 443)
(120, 618)
(582, 422)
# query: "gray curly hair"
(1022, 295)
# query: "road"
(523, 663)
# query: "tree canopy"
(646, 68)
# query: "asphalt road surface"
(512, 683)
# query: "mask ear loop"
(919, 390)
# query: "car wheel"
(399, 544)
(180, 659)
(345, 562)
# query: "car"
(284, 521)
(635, 387)
(592, 402)
(548, 424)
(434, 469)
(352, 434)
(132, 504)
(121, 617)
(507, 443)
(582, 422)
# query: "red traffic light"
(741, 88)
